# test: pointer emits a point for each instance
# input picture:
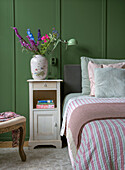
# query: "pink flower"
(43, 38)
(47, 36)
(45, 41)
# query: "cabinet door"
(45, 125)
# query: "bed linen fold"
(86, 113)
(102, 146)
(97, 135)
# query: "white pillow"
(109, 82)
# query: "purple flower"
(39, 35)
(55, 33)
(21, 42)
(29, 47)
(33, 45)
(31, 41)
(16, 31)
(37, 43)
(25, 44)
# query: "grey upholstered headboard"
(72, 79)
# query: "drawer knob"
(55, 124)
(45, 85)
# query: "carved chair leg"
(21, 142)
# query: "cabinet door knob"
(55, 124)
(45, 85)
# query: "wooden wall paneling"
(81, 20)
(34, 15)
(98, 26)
(104, 29)
(116, 29)
(7, 63)
(6, 56)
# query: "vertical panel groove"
(104, 28)
(58, 21)
(14, 62)
(61, 38)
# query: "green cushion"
(84, 69)
(109, 82)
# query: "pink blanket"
(96, 111)
(102, 143)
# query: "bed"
(94, 125)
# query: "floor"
(40, 158)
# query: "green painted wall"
(116, 29)
(82, 20)
(7, 63)
(31, 14)
(98, 25)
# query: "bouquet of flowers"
(44, 45)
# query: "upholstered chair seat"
(13, 124)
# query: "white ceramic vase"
(39, 67)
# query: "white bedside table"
(44, 123)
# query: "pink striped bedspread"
(102, 141)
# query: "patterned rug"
(37, 159)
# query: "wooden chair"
(15, 123)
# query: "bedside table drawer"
(44, 85)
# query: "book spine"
(44, 106)
(45, 101)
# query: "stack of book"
(45, 104)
